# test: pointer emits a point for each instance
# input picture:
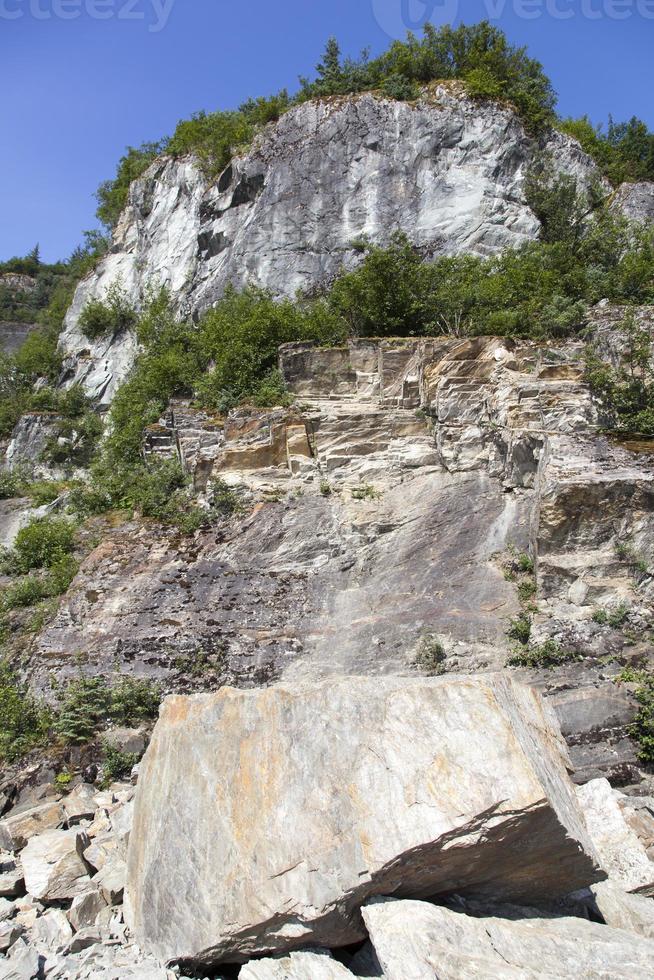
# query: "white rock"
(111, 880)
(35, 820)
(9, 933)
(296, 966)
(85, 908)
(265, 818)
(51, 930)
(23, 963)
(80, 804)
(54, 867)
(418, 941)
(622, 910)
(7, 909)
(621, 853)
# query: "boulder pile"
(395, 827)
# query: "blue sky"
(77, 89)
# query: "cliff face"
(383, 514)
(448, 172)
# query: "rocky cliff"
(448, 171)
(403, 657)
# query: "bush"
(624, 152)
(430, 656)
(109, 316)
(90, 702)
(116, 764)
(520, 629)
(625, 391)
(43, 542)
(24, 722)
(548, 654)
(112, 195)
(31, 589)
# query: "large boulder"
(265, 818)
(415, 940)
(622, 855)
(54, 866)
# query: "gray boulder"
(316, 965)
(54, 867)
(265, 818)
(417, 941)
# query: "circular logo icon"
(396, 17)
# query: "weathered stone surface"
(11, 876)
(408, 785)
(54, 867)
(80, 804)
(51, 930)
(26, 823)
(23, 963)
(309, 965)
(9, 933)
(636, 201)
(622, 910)
(111, 880)
(621, 854)
(448, 171)
(416, 941)
(85, 908)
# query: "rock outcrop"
(265, 819)
(286, 215)
(413, 940)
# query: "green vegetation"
(430, 656)
(43, 542)
(642, 729)
(625, 391)
(24, 723)
(365, 491)
(90, 703)
(624, 152)
(117, 764)
(478, 55)
(548, 654)
(615, 618)
(520, 628)
(112, 195)
(109, 316)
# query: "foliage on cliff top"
(479, 54)
(625, 152)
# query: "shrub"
(624, 152)
(10, 484)
(520, 629)
(400, 88)
(614, 618)
(24, 722)
(548, 654)
(90, 702)
(112, 195)
(42, 543)
(117, 764)
(626, 391)
(108, 316)
(430, 656)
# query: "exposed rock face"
(414, 940)
(12, 335)
(414, 787)
(621, 853)
(296, 966)
(376, 513)
(636, 201)
(449, 172)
